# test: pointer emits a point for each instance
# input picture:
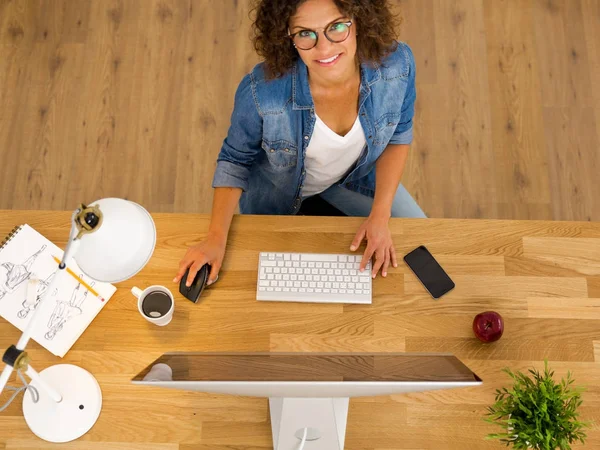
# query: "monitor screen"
(320, 367)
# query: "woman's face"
(318, 16)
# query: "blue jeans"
(354, 204)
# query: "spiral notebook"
(67, 310)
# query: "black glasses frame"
(349, 23)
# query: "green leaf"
(540, 411)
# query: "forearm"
(225, 201)
(389, 168)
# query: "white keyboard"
(313, 277)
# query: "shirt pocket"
(280, 154)
(385, 127)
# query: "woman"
(329, 112)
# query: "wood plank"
(517, 117)
(561, 308)
(507, 287)
(593, 287)
(579, 255)
(562, 53)
(572, 143)
(466, 141)
(591, 25)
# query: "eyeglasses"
(334, 32)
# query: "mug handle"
(136, 292)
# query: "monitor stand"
(325, 419)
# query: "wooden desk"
(543, 277)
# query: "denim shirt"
(273, 121)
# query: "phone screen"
(428, 270)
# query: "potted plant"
(537, 412)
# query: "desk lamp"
(113, 239)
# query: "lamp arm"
(13, 353)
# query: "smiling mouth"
(329, 60)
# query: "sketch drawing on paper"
(41, 289)
(66, 310)
(17, 273)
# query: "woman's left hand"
(380, 246)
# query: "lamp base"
(75, 415)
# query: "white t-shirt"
(330, 156)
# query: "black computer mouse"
(194, 291)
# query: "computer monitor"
(308, 390)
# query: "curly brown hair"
(375, 23)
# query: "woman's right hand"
(210, 251)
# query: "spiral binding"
(11, 235)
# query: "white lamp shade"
(121, 246)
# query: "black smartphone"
(429, 272)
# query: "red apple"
(488, 326)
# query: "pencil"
(74, 275)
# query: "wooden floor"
(132, 98)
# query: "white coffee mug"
(156, 304)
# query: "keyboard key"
(317, 257)
(286, 257)
(343, 258)
(268, 263)
(272, 256)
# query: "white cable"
(303, 439)
(26, 386)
